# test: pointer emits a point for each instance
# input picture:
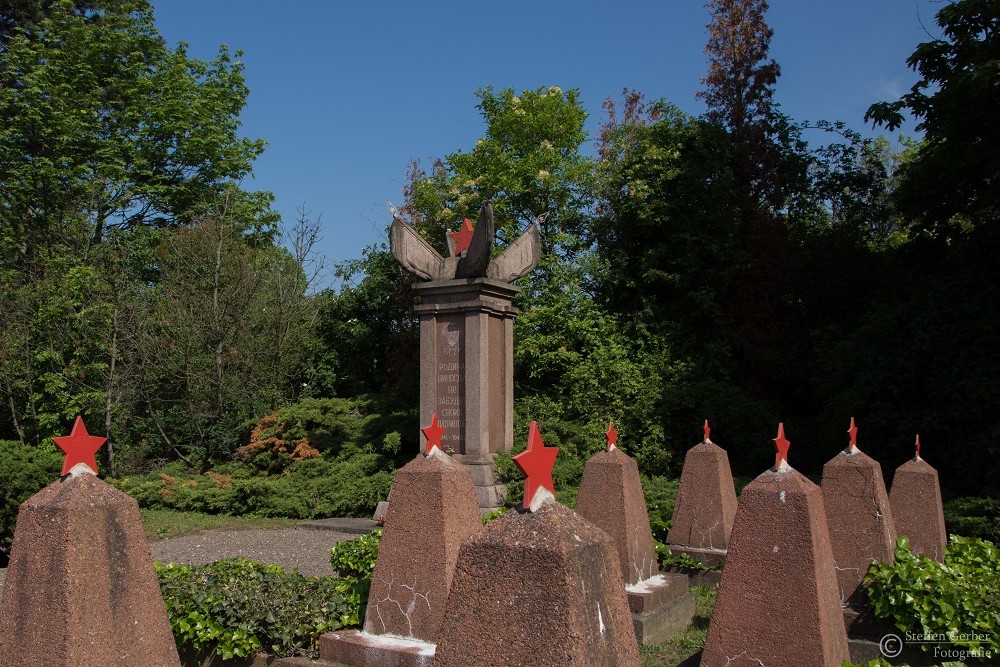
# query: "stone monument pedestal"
(538, 588)
(433, 511)
(611, 498)
(81, 590)
(467, 372)
(705, 507)
(915, 498)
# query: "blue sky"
(346, 94)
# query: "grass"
(169, 523)
(680, 647)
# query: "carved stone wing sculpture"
(414, 253)
(519, 258)
(421, 259)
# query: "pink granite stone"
(859, 518)
(81, 590)
(916, 508)
(706, 500)
(611, 498)
(433, 510)
(538, 588)
(778, 602)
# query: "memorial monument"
(778, 603)
(467, 339)
(81, 590)
(915, 498)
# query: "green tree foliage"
(105, 125)
(528, 164)
(952, 182)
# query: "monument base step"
(708, 557)
(350, 648)
(662, 606)
(863, 651)
(861, 623)
(490, 496)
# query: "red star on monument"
(780, 447)
(853, 432)
(536, 463)
(612, 435)
(433, 434)
(918, 445)
(707, 431)
(463, 237)
(80, 447)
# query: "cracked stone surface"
(542, 588)
(433, 510)
(859, 518)
(81, 590)
(705, 507)
(611, 498)
(778, 603)
(916, 508)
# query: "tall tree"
(101, 122)
(952, 183)
(739, 92)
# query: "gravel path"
(306, 550)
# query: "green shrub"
(24, 470)
(236, 608)
(356, 558)
(345, 486)
(974, 517)
(959, 598)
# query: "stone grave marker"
(611, 498)
(705, 507)
(433, 510)
(81, 590)
(915, 497)
(538, 586)
(467, 339)
(778, 602)
(859, 518)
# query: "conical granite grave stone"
(433, 510)
(612, 499)
(81, 590)
(858, 516)
(915, 497)
(539, 586)
(705, 507)
(778, 602)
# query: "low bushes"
(305, 490)
(236, 608)
(958, 599)
(974, 517)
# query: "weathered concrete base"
(489, 494)
(662, 606)
(708, 557)
(350, 648)
(863, 651)
(860, 623)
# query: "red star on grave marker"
(780, 447)
(80, 447)
(612, 435)
(433, 434)
(918, 445)
(707, 431)
(463, 237)
(536, 463)
(853, 432)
